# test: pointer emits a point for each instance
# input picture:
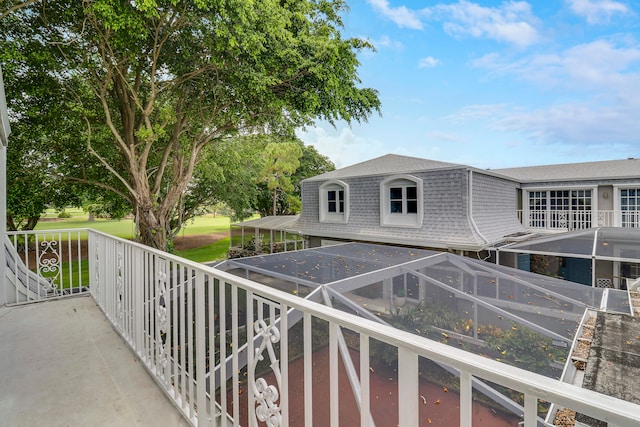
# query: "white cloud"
(512, 22)
(582, 124)
(342, 145)
(597, 11)
(428, 62)
(598, 82)
(387, 42)
(401, 16)
(599, 65)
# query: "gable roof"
(389, 164)
(613, 169)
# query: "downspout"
(474, 226)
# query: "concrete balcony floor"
(62, 364)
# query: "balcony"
(569, 220)
(218, 347)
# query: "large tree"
(158, 81)
(281, 160)
(311, 163)
(35, 99)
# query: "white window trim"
(617, 205)
(405, 220)
(333, 217)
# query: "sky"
(494, 84)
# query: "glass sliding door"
(561, 209)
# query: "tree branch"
(15, 8)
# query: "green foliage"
(421, 317)
(312, 163)
(525, 348)
(280, 161)
(139, 89)
(226, 174)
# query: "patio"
(62, 364)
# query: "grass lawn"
(125, 228)
(212, 252)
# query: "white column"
(3, 220)
(5, 130)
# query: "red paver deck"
(439, 408)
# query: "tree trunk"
(152, 228)
(275, 201)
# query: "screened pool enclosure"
(520, 318)
(266, 235)
(607, 257)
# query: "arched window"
(334, 202)
(401, 201)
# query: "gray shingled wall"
(445, 211)
(494, 207)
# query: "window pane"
(411, 193)
(412, 206)
(331, 195)
(396, 206)
(331, 207)
(395, 193)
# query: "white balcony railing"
(45, 264)
(578, 220)
(203, 334)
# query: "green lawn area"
(125, 228)
(212, 252)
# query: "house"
(425, 203)
(578, 196)
(411, 201)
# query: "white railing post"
(308, 371)
(365, 392)
(466, 399)
(530, 410)
(408, 388)
(201, 350)
(334, 400)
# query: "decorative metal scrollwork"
(50, 261)
(267, 409)
(602, 221)
(96, 286)
(562, 220)
(119, 290)
(162, 321)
